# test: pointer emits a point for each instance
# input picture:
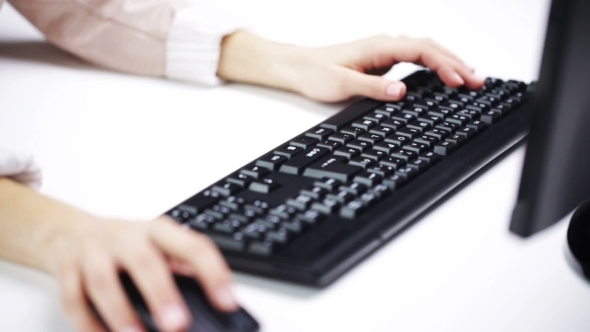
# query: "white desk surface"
(132, 147)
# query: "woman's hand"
(338, 72)
(89, 262)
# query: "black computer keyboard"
(311, 208)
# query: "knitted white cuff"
(20, 167)
(194, 42)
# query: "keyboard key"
(271, 161)
(319, 133)
(330, 145)
(326, 206)
(382, 131)
(304, 141)
(297, 164)
(227, 188)
(398, 140)
(288, 151)
(377, 117)
(359, 145)
(284, 211)
(352, 209)
(408, 173)
(203, 200)
(240, 179)
(316, 192)
(394, 181)
(234, 242)
(361, 162)
(406, 155)
(444, 148)
(353, 131)
(310, 216)
(329, 183)
(393, 124)
(300, 202)
(371, 138)
(342, 196)
(416, 147)
(491, 116)
(374, 154)
(466, 132)
(369, 179)
(364, 124)
(386, 147)
(380, 190)
(458, 140)
(408, 132)
(394, 162)
(478, 125)
(332, 167)
(419, 164)
(254, 171)
(347, 153)
(381, 170)
(341, 138)
(355, 188)
(431, 157)
(264, 187)
(265, 247)
(428, 140)
(345, 116)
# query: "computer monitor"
(556, 173)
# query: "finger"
(376, 87)
(472, 80)
(207, 263)
(451, 71)
(150, 273)
(445, 51)
(101, 280)
(74, 301)
(179, 267)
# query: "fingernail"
(479, 77)
(173, 317)
(458, 78)
(226, 298)
(470, 67)
(394, 89)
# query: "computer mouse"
(205, 318)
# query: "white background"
(132, 147)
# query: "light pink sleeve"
(165, 38)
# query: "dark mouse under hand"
(205, 318)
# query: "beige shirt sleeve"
(178, 39)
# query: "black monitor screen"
(556, 172)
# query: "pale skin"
(85, 253)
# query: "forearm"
(32, 225)
(250, 59)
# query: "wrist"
(60, 236)
(250, 59)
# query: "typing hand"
(89, 265)
(338, 72)
(342, 71)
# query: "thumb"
(375, 87)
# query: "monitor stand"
(578, 240)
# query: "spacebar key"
(349, 114)
(332, 167)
